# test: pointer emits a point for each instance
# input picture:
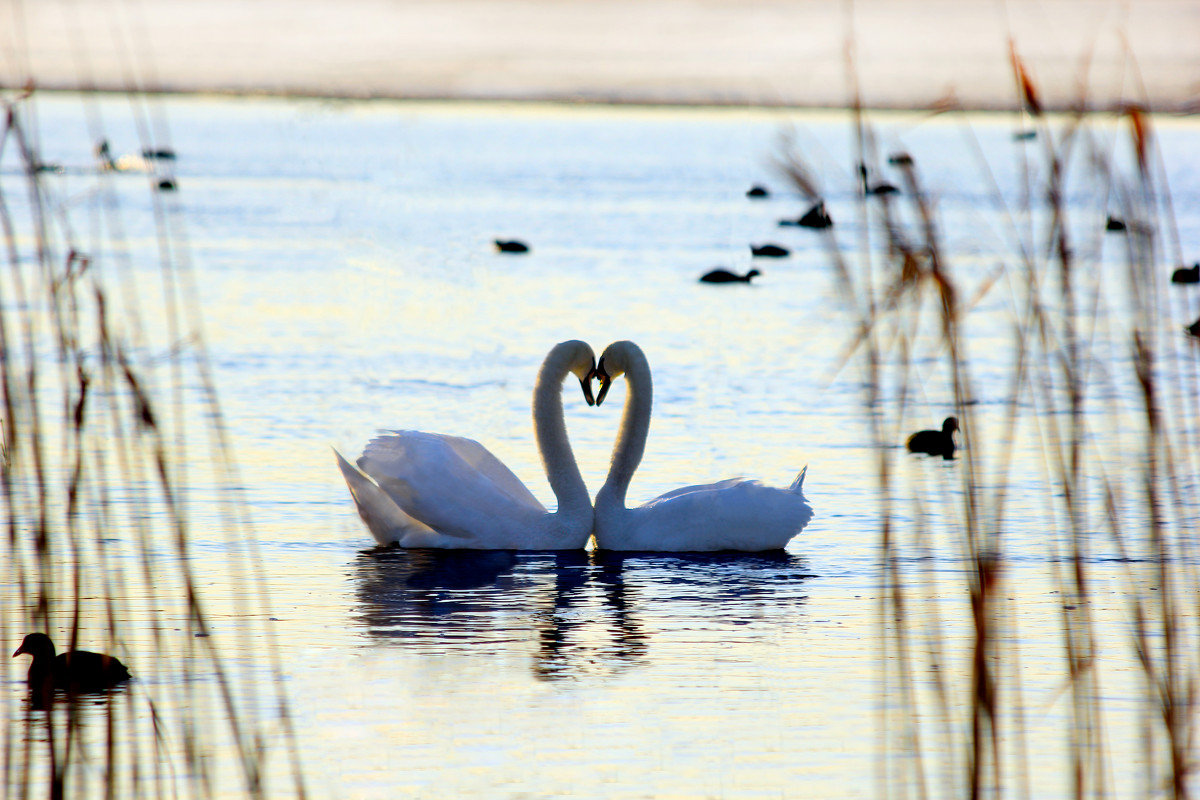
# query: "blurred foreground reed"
(111, 433)
(1093, 455)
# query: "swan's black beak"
(586, 383)
(605, 382)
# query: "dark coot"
(815, 217)
(511, 246)
(769, 251)
(75, 671)
(935, 443)
(757, 191)
(1114, 224)
(725, 276)
(1186, 274)
(881, 188)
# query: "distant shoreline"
(914, 55)
(1183, 110)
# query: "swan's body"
(735, 514)
(420, 489)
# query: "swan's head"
(614, 361)
(581, 362)
(950, 425)
(752, 274)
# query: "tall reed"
(111, 430)
(1113, 477)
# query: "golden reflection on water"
(587, 613)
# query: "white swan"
(736, 514)
(420, 489)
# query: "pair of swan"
(419, 489)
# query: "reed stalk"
(954, 714)
(110, 424)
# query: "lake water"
(344, 269)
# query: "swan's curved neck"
(551, 431)
(635, 426)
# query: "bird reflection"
(587, 614)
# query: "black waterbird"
(74, 672)
(935, 443)
(725, 276)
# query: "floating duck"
(757, 191)
(1186, 274)
(816, 217)
(75, 671)
(511, 246)
(725, 276)
(935, 443)
(876, 188)
(769, 251)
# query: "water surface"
(344, 266)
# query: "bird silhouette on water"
(880, 188)
(74, 672)
(1186, 274)
(757, 191)
(935, 443)
(725, 276)
(816, 217)
(769, 251)
(511, 246)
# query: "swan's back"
(735, 514)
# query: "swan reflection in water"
(584, 613)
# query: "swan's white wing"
(451, 484)
(421, 445)
(387, 523)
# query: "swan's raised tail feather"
(386, 521)
(798, 484)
